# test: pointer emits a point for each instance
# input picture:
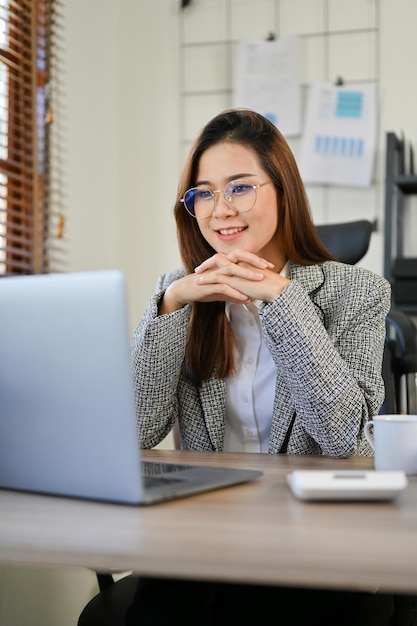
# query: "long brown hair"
(210, 344)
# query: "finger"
(221, 292)
(222, 274)
(217, 260)
(227, 266)
(238, 255)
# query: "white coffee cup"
(393, 439)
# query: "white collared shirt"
(250, 393)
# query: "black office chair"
(400, 377)
(109, 606)
(349, 243)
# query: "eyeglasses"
(200, 201)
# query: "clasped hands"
(237, 277)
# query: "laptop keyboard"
(155, 473)
(155, 468)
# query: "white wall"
(124, 152)
(123, 138)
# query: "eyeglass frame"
(223, 191)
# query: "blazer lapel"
(282, 415)
(213, 401)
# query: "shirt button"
(250, 360)
(249, 433)
(251, 322)
(244, 397)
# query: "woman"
(263, 341)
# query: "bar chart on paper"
(348, 147)
(340, 135)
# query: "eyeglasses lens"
(200, 201)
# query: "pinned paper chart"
(340, 135)
(266, 78)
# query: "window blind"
(32, 215)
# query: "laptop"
(67, 416)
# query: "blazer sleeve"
(329, 348)
(158, 349)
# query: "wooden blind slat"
(30, 207)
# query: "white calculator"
(346, 484)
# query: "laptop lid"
(67, 417)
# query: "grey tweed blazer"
(325, 332)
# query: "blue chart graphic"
(348, 147)
(349, 104)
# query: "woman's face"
(226, 229)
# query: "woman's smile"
(231, 233)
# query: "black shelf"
(398, 185)
(407, 184)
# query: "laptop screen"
(66, 398)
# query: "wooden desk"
(257, 532)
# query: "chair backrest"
(400, 364)
(347, 241)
